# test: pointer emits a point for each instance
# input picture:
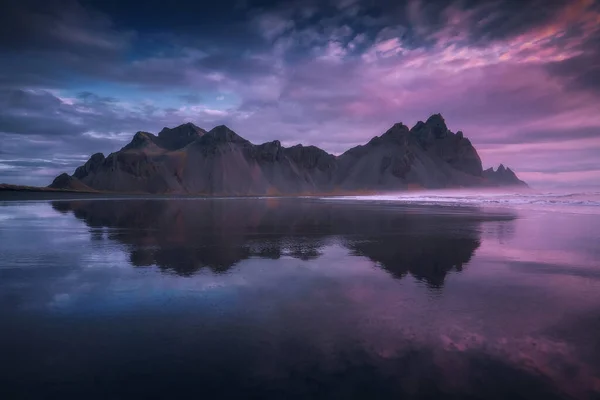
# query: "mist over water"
(377, 297)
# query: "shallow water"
(582, 202)
(297, 298)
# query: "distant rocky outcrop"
(187, 159)
(66, 181)
(502, 177)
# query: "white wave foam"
(576, 201)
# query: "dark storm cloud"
(58, 26)
(506, 19)
(35, 113)
(45, 159)
(39, 112)
(581, 72)
(45, 43)
(56, 42)
(41, 134)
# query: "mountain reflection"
(184, 236)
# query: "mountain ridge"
(190, 160)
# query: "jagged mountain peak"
(310, 156)
(502, 176)
(179, 136)
(219, 129)
(222, 133)
(65, 180)
(185, 127)
(183, 130)
(419, 126)
(187, 159)
(437, 124)
(140, 140)
(398, 133)
(436, 120)
(398, 127)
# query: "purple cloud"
(521, 85)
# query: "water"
(587, 202)
(297, 298)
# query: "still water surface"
(296, 298)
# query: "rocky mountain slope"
(187, 159)
(502, 177)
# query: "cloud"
(190, 98)
(43, 135)
(332, 74)
(582, 72)
(272, 25)
(59, 26)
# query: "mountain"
(187, 159)
(502, 177)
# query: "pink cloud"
(524, 96)
(500, 94)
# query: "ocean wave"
(585, 201)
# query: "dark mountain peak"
(180, 136)
(398, 133)
(222, 133)
(140, 140)
(140, 135)
(437, 124)
(310, 156)
(91, 166)
(97, 157)
(66, 181)
(419, 126)
(502, 176)
(219, 129)
(187, 159)
(423, 133)
(436, 120)
(434, 136)
(59, 181)
(187, 129)
(270, 150)
(397, 128)
(309, 148)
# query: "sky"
(521, 79)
